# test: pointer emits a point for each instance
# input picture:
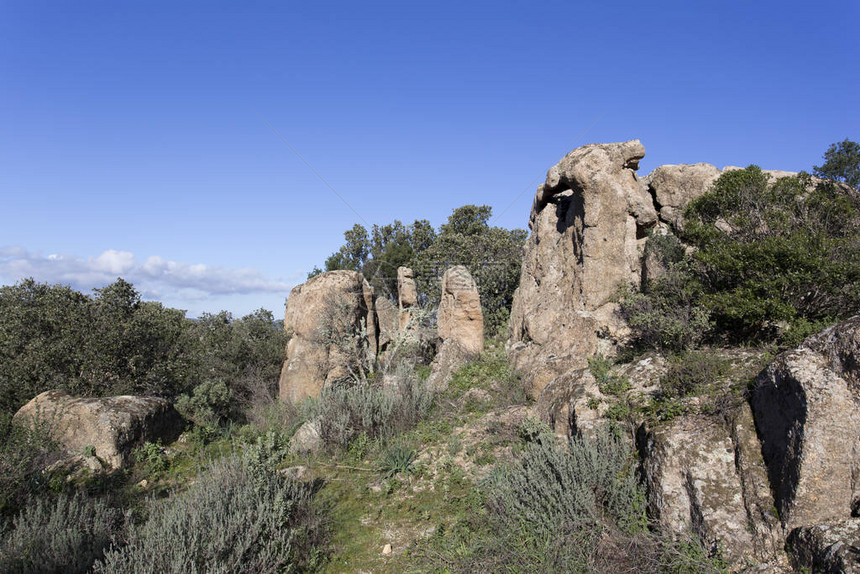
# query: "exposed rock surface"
(388, 319)
(587, 222)
(460, 325)
(827, 548)
(808, 418)
(407, 295)
(330, 324)
(113, 425)
(307, 438)
(674, 186)
(460, 319)
(707, 480)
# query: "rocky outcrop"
(587, 223)
(407, 296)
(460, 325)
(675, 186)
(460, 319)
(331, 328)
(388, 320)
(114, 426)
(827, 548)
(708, 480)
(807, 414)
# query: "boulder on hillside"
(407, 295)
(675, 186)
(588, 222)
(460, 325)
(460, 319)
(807, 414)
(114, 426)
(331, 327)
(708, 480)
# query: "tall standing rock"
(807, 413)
(331, 328)
(407, 295)
(460, 319)
(460, 324)
(588, 221)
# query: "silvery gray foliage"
(235, 518)
(66, 535)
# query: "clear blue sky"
(133, 142)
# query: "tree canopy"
(841, 163)
(492, 254)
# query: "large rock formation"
(587, 222)
(784, 466)
(331, 327)
(407, 296)
(807, 413)
(460, 325)
(460, 319)
(675, 186)
(114, 426)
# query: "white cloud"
(155, 277)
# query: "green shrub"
(556, 490)
(346, 411)
(668, 317)
(608, 383)
(66, 535)
(534, 430)
(491, 371)
(151, 457)
(25, 451)
(771, 252)
(692, 373)
(397, 458)
(235, 518)
(208, 405)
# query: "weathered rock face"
(807, 413)
(388, 318)
(710, 481)
(460, 319)
(113, 425)
(331, 325)
(407, 295)
(827, 548)
(675, 186)
(587, 222)
(460, 326)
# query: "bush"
(574, 508)
(668, 317)
(63, 536)
(25, 451)
(208, 405)
(775, 252)
(556, 490)
(693, 373)
(346, 411)
(608, 383)
(235, 518)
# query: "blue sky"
(134, 137)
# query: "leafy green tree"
(775, 252)
(493, 256)
(841, 163)
(43, 333)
